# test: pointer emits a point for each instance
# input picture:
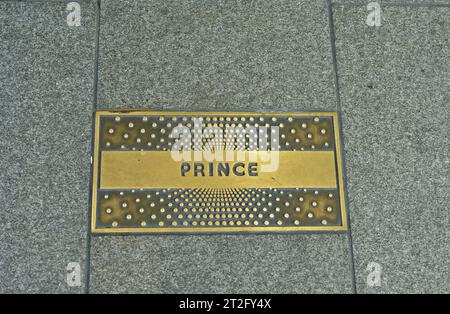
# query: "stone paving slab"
(218, 55)
(46, 106)
(221, 264)
(395, 94)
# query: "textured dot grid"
(128, 132)
(203, 208)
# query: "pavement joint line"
(341, 135)
(88, 230)
(94, 107)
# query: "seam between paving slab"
(94, 108)
(341, 135)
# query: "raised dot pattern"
(129, 132)
(181, 208)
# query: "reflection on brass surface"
(139, 187)
(134, 170)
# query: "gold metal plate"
(200, 172)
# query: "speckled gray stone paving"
(46, 88)
(216, 55)
(390, 84)
(221, 264)
(395, 95)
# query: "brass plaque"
(200, 172)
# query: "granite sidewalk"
(389, 83)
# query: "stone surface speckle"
(216, 55)
(395, 93)
(221, 264)
(46, 106)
